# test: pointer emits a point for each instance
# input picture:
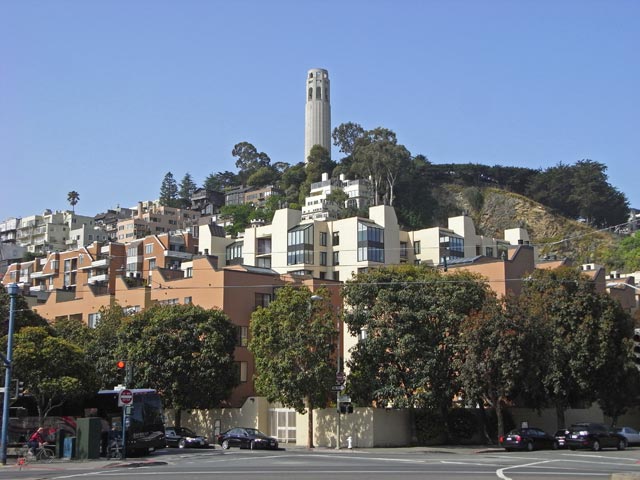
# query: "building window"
(189, 272)
(242, 371)
(148, 248)
(370, 243)
(188, 300)
(262, 300)
(318, 93)
(264, 246)
(300, 244)
(336, 258)
(336, 276)
(234, 253)
(416, 247)
(489, 252)
(94, 319)
(310, 93)
(152, 264)
(263, 262)
(323, 258)
(323, 239)
(242, 336)
(403, 249)
(335, 237)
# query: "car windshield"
(254, 431)
(185, 432)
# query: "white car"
(631, 434)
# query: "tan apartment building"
(151, 218)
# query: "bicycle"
(41, 454)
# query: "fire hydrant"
(349, 442)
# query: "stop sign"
(125, 397)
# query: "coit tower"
(317, 120)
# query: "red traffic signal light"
(121, 364)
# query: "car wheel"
(622, 444)
(182, 443)
(529, 446)
(225, 445)
(596, 446)
(555, 445)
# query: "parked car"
(561, 437)
(182, 437)
(594, 436)
(530, 438)
(631, 434)
(246, 438)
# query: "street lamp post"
(13, 290)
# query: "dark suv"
(594, 436)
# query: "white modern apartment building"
(318, 207)
(338, 249)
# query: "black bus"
(145, 425)
(145, 430)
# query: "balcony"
(98, 278)
(101, 263)
(180, 255)
(38, 288)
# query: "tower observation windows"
(318, 93)
(310, 93)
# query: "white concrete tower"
(317, 120)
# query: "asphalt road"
(299, 463)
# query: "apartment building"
(338, 249)
(50, 231)
(318, 207)
(151, 218)
(77, 284)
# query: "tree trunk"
(178, 417)
(483, 418)
(498, 407)
(310, 427)
(560, 415)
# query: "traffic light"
(19, 388)
(636, 347)
(127, 368)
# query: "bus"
(145, 426)
(145, 429)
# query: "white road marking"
(500, 471)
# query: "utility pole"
(13, 290)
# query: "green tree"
(495, 344)
(169, 191)
(24, 316)
(184, 352)
(618, 380)
(187, 188)
(220, 181)
(318, 162)
(572, 347)
(53, 370)
(290, 183)
(293, 340)
(106, 346)
(240, 216)
(73, 198)
(412, 316)
(626, 255)
(262, 177)
(249, 160)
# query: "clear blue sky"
(106, 97)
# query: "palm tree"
(73, 198)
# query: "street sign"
(340, 377)
(337, 388)
(125, 397)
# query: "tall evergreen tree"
(187, 187)
(169, 191)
